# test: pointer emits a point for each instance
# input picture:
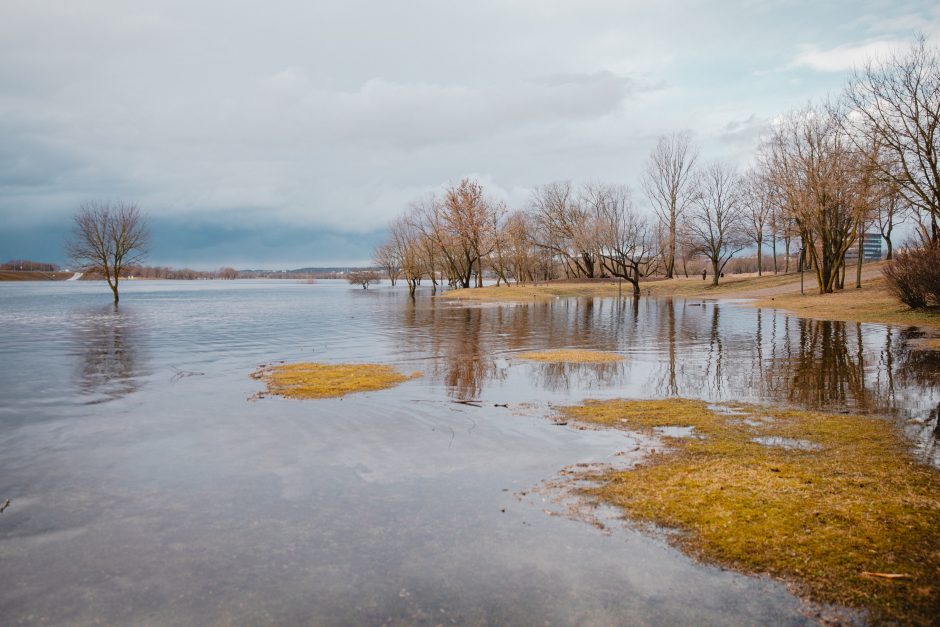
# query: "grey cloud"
(295, 117)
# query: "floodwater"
(145, 488)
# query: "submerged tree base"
(847, 515)
(316, 380)
(571, 356)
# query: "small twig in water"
(182, 374)
(472, 403)
(5, 505)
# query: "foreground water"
(146, 488)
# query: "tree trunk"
(773, 248)
(714, 273)
(760, 257)
(671, 259)
(113, 284)
(858, 265)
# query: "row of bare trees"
(824, 176)
(868, 159)
(589, 231)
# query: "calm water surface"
(146, 488)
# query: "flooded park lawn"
(145, 487)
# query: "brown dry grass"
(871, 303)
(316, 380)
(542, 291)
(823, 519)
(571, 356)
(6, 275)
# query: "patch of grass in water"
(317, 380)
(828, 521)
(571, 356)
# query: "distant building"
(871, 248)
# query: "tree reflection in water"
(109, 360)
(466, 340)
(685, 348)
(564, 376)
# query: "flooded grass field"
(146, 488)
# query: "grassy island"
(833, 504)
(316, 380)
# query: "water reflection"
(564, 377)
(683, 348)
(466, 340)
(108, 347)
(380, 508)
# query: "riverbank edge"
(872, 303)
(732, 474)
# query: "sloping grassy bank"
(833, 504)
(8, 275)
(872, 303)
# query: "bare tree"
(471, 219)
(517, 233)
(717, 217)
(108, 237)
(667, 181)
(827, 184)
(563, 228)
(363, 278)
(409, 244)
(624, 241)
(386, 257)
(896, 106)
(758, 210)
(889, 213)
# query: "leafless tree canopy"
(824, 175)
(625, 244)
(107, 238)
(827, 184)
(756, 197)
(363, 278)
(667, 181)
(718, 218)
(895, 105)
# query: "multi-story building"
(871, 248)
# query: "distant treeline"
(26, 265)
(166, 272)
(229, 273)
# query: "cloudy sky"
(286, 133)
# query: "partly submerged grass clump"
(571, 356)
(833, 519)
(316, 380)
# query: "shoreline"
(872, 303)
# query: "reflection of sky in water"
(143, 495)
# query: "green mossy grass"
(317, 380)
(831, 520)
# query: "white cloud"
(845, 57)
